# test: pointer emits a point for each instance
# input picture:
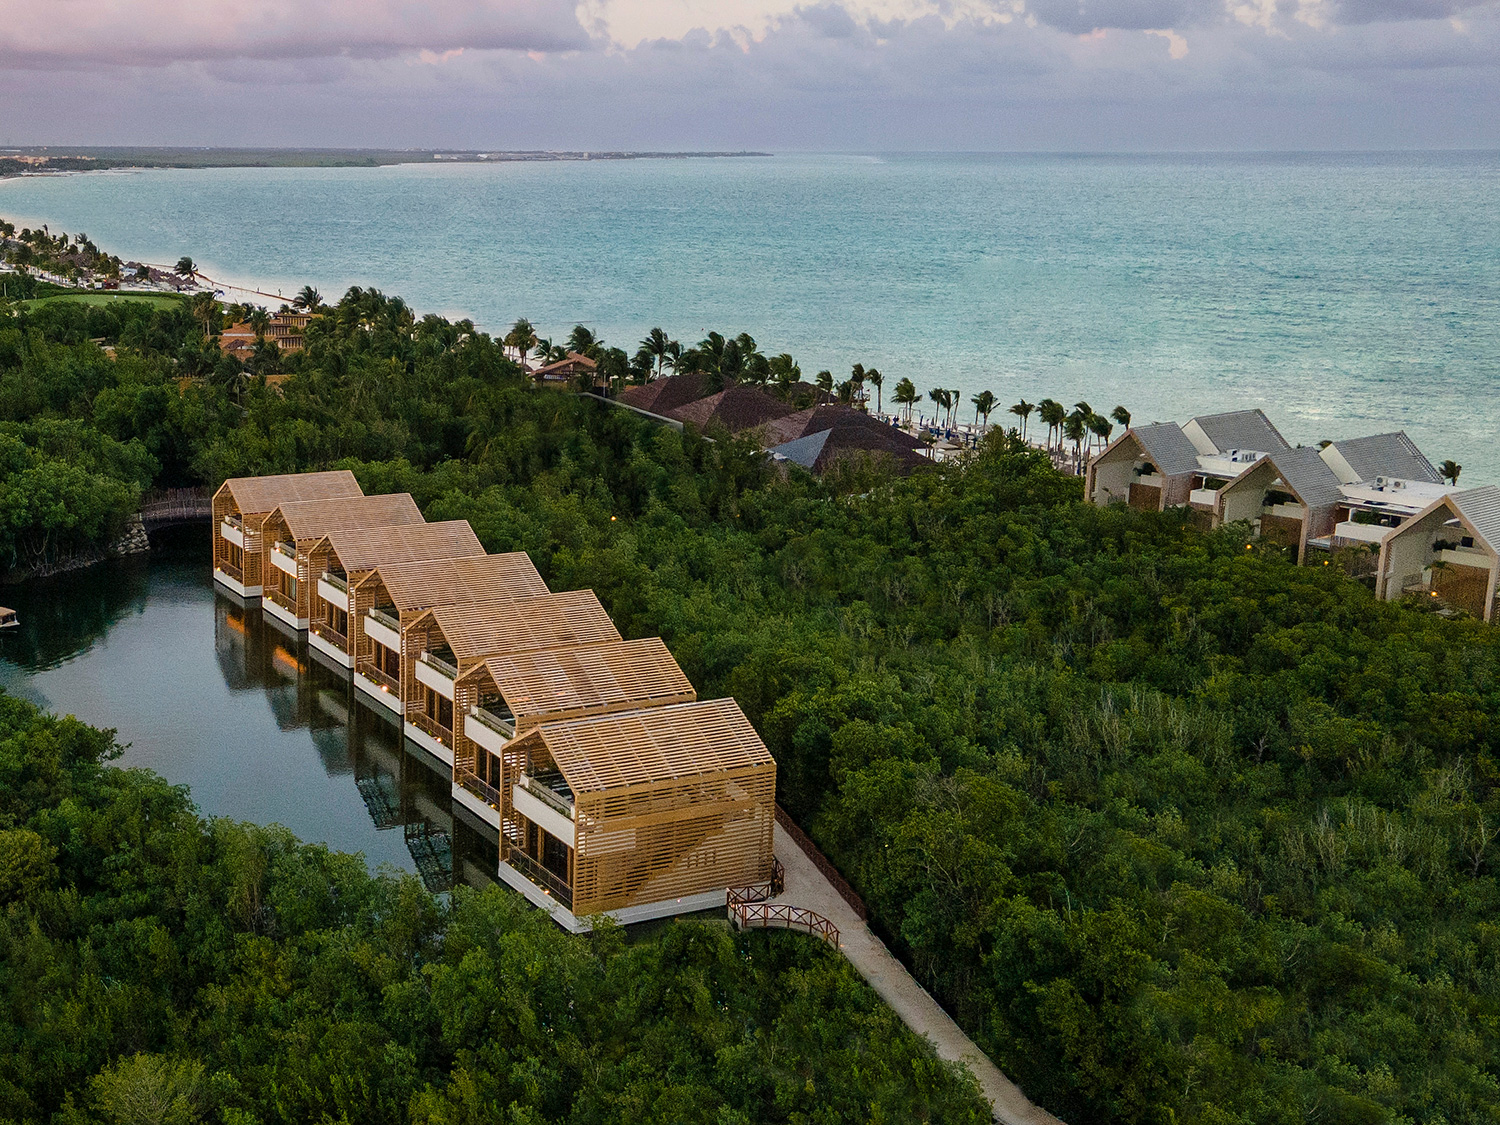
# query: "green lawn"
(97, 297)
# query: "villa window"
(388, 661)
(337, 619)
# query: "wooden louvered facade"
(292, 530)
(393, 595)
(622, 813)
(509, 695)
(444, 642)
(340, 559)
(241, 505)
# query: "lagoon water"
(1344, 294)
(211, 695)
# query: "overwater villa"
(612, 789)
(1449, 550)
(393, 595)
(508, 695)
(242, 505)
(292, 530)
(637, 815)
(342, 558)
(447, 641)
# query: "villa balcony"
(540, 875)
(488, 729)
(435, 673)
(430, 727)
(284, 557)
(233, 530)
(383, 629)
(551, 790)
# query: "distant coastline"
(53, 159)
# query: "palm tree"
(204, 306)
(1074, 430)
(1053, 413)
(824, 380)
(984, 403)
(260, 320)
(584, 342)
(1022, 410)
(655, 345)
(308, 299)
(1101, 428)
(938, 396)
(857, 380)
(1449, 471)
(186, 267)
(875, 379)
(521, 337)
(906, 395)
(1121, 415)
(674, 353)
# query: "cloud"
(153, 32)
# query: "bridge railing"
(173, 505)
(764, 915)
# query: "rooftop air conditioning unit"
(1380, 483)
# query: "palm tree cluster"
(1082, 426)
(724, 360)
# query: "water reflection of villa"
(609, 788)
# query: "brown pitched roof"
(480, 629)
(420, 585)
(265, 494)
(662, 396)
(312, 519)
(365, 548)
(837, 432)
(739, 408)
(657, 744)
(569, 366)
(570, 682)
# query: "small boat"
(8, 619)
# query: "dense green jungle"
(1177, 830)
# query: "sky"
(861, 75)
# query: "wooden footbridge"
(168, 506)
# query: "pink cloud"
(146, 32)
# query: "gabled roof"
(1386, 455)
(571, 363)
(612, 752)
(1241, 429)
(265, 494)
(1168, 448)
(1304, 472)
(480, 629)
(311, 519)
(1481, 508)
(365, 548)
(564, 682)
(420, 585)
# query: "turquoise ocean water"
(1343, 294)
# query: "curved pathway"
(807, 887)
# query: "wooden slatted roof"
(419, 585)
(312, 519)
(611, 752)
(479, 629)
(364, 548)
(619, 675)
(266, 494)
